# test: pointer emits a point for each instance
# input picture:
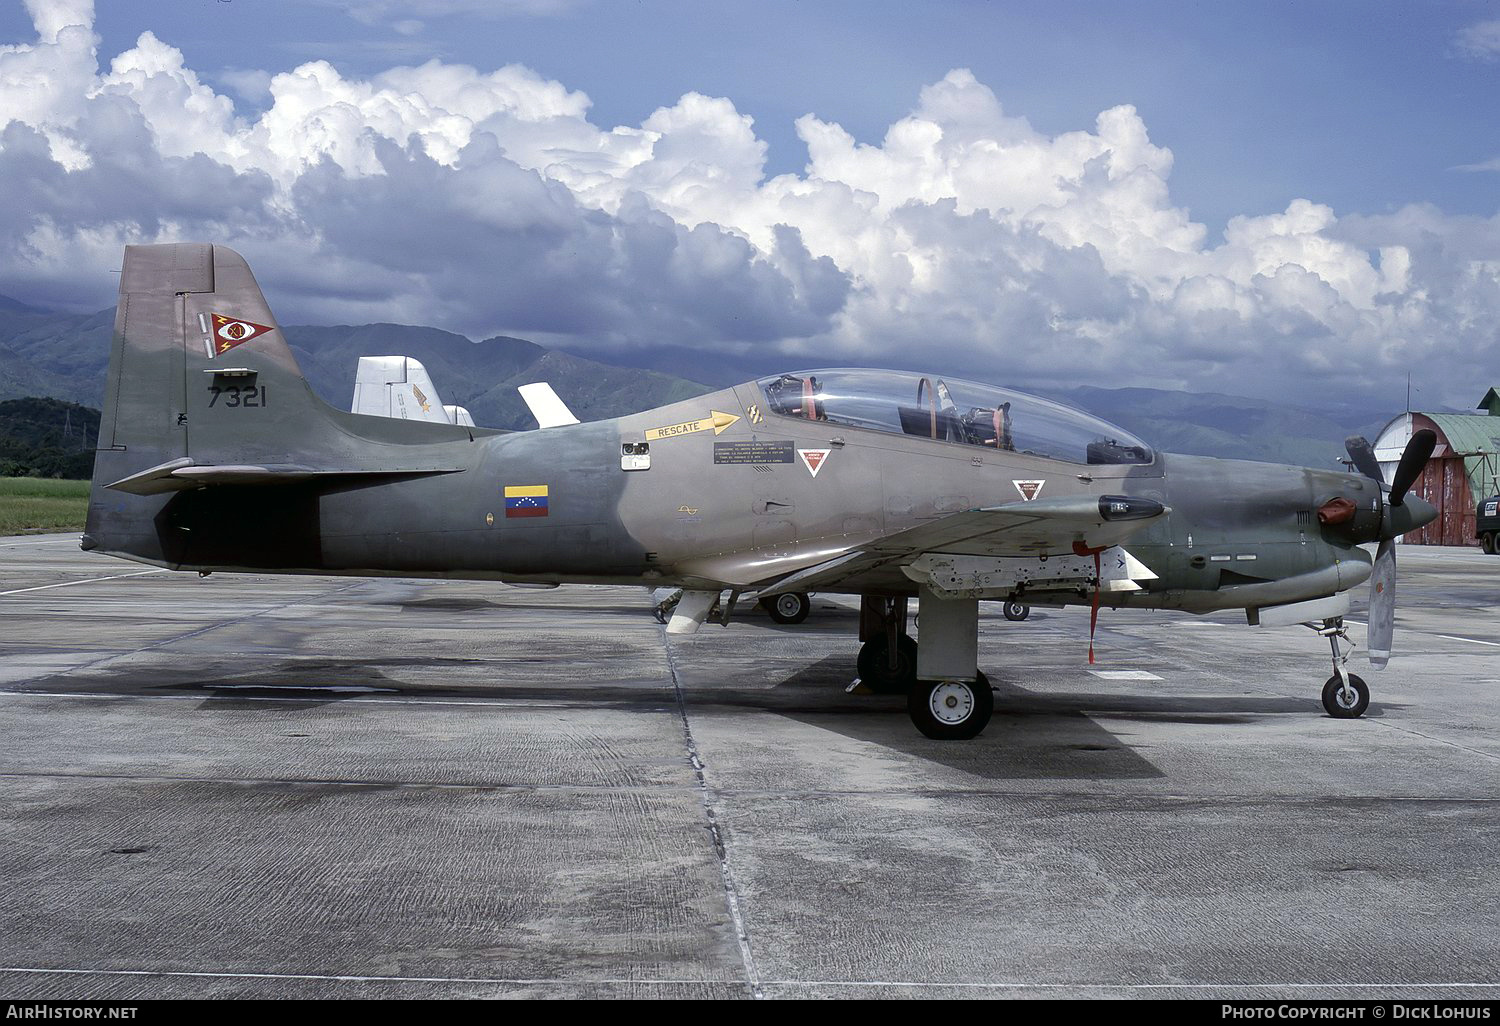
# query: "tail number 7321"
(235, 396)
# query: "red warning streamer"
(1094, 615)
(1079, 548)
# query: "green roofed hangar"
(1462, 471)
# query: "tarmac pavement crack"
(726, 871)
(1437, 740)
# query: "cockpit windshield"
(950, 410)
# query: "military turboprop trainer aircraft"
(214, 455)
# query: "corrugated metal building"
(1463, 468)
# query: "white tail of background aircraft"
(400, 387)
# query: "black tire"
(876, 672)
(1487, 542)
(788, 607)
(1017, 610)
(1333, 700)
(950, 710)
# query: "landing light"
(1124, 507)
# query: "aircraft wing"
(1074, 525)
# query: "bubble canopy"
(953, 411)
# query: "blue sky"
(1263, 197)
(1365, 106)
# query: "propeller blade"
(1413, 459)
(1399, 519)
(1363, 454)
(1382, 604)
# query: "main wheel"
(1487, 542)
(1017, 610)
(788, 607)
(951, 710)
(876, 671)
(1338, 705)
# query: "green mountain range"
(482, 376)
(66, 356)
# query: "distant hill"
(482, 376)
(1231, 427)
(14, 308)
(16, 316)
(47, 438)
(65, 356)
(43, 353)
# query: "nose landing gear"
(1345, 695)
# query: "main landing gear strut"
(946, 695)
(888, 658)
(1345, 696)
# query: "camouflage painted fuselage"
(218, 457)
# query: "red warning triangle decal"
(814, 459)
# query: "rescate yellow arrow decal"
(716, 420)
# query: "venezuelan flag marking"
(525, 500)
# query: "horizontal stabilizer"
(181, 474)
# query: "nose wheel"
(1345, 695)
(1345, 703)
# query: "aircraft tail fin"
(199, 368)
(203, 391)
(397, 386)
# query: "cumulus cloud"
(1493, 164)
(487, 201)
(1480, 41)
